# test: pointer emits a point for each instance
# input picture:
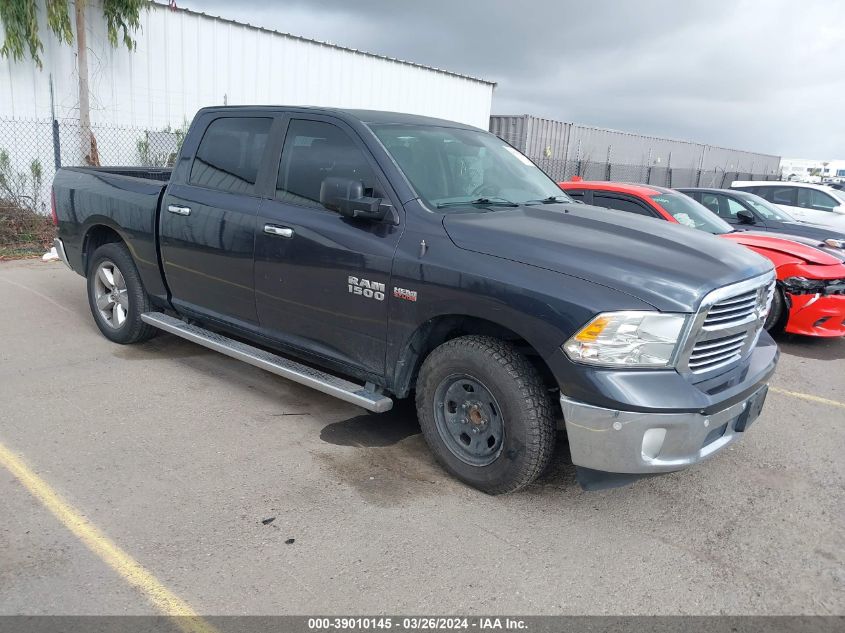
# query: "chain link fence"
(31, 150)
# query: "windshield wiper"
(495, 201)
(549, 200)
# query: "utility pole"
(87, 144)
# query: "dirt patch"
(23, 233)
(390, 476)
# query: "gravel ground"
(181, 456)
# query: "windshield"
(689, 213)
(767, 209)
(451, 167)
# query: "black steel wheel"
(469, 419)
(485, 413)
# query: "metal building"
(564, 150)
(186, 60)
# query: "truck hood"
(669, 266)
(809, 250)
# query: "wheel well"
(95, 238)
(445, 328)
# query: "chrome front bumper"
(630, 442)
(60, 250)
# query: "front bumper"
(628, 442)
(816, 315)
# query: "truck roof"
(363, 116)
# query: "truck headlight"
(627, 339)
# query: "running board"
(297, 372)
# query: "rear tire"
(116, 295)
(485, 413)
(776, 320)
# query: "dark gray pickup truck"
(372, 255)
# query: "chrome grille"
(713, 353)
(732, 310)
(727, 325)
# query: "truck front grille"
(727, 325)
(732, 310)
(712, 353)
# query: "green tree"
(20, 21)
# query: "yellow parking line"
(131, 571)
(809, 397)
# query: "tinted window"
(315, 151)
(815, 199)
(576, 194)
(778, 195)
(230, 153)
(621, 204)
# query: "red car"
(811, 279)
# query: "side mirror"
(745, 217)
(346, 196)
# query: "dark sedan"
(745, 210)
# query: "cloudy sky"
(765, 75)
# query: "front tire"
(485, 413)
(116, 295)
(776, 320)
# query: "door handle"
(281, 231)
(175, 208)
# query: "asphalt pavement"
(243, 493)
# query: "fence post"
(57, 147)
(648, 169)
(698, 178)
(607, 169)
(669, 171)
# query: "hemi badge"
(404, 293)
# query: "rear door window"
(230, 153)
(314, 151)
(779, 195)
(815, 199)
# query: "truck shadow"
(375, 429)
(381, 430)
(162, 345)
(810, 347)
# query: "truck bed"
(91, 201)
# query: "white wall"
(186, 60)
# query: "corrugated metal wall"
(567, 149)
(185, 60)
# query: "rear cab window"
(230, 153)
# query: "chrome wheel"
(110, 294)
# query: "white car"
(805, 201)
